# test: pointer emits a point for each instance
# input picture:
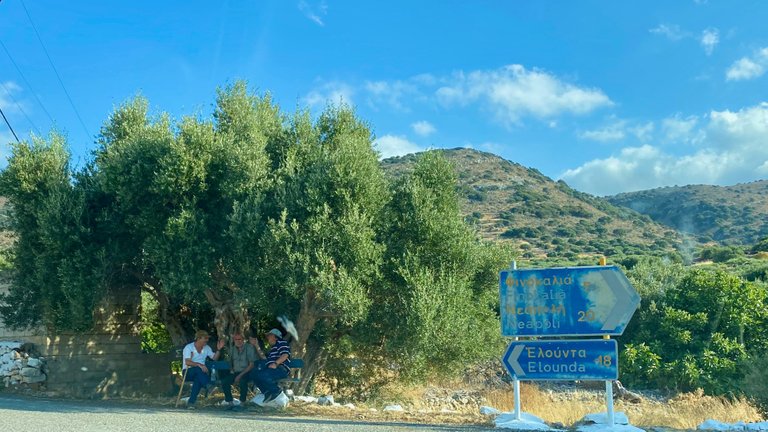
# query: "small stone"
(395, 407)
(486, 410)
(305, 399)
(33, 379)
(325, 400)
(350, 406)
(30, 372)
(35, 363)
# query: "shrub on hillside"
(720, 254)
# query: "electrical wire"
(40, 39)
(18, 106)
(29, 86)
(9, 125)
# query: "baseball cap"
(276, 332)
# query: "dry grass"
(685, 411)
(691, 409)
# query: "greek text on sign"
(568, 301)
(594, 359)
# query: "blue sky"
(608, 96)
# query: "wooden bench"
(294, 375)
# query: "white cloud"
(7, 99)
(748, 67)
(763, 169)
(709, 40)
(612, 132)
(643, 132)
(672, 32)
(679, 129)
(514, 92)
(390, 93)
(394, 145)
(423, 128)
(619, 130)
(732, 147)
(333, 92)
(5, 139)
(315, 14)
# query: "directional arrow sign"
(594, 360)
(567, 301)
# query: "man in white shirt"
(193, 357)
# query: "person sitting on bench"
(194, 356)
(277, 364)
(242, 357)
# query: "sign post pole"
(516, 382)
(608, 384)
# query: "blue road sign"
(567, 301)
(587, 360)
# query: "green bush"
(640, 366)
(154, 336)
(755, 382)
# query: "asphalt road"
(39, 415)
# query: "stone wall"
(106, 361)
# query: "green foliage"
(639, 365)
(58, 273)
(761, 246)
(721, 254)
(755, 382)
(444, 277)
(154, 335)
(252, 213)
(693, 329)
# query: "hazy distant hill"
(510, 202)
(735, 215)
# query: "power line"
(8, 92)
(29, 86)
(9, 125)
(82, 123)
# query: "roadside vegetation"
(389, 269)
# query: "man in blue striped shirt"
(277, 366)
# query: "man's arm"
(280, 360)
(244, 372)
(219, 346)
(255, 343)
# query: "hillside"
(510, 202)
(731, 215)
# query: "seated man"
(242, 357)
(277, 366)
(194, 356)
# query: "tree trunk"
(171, 318)
(229, 318)
(310, 350)
(314, 362)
